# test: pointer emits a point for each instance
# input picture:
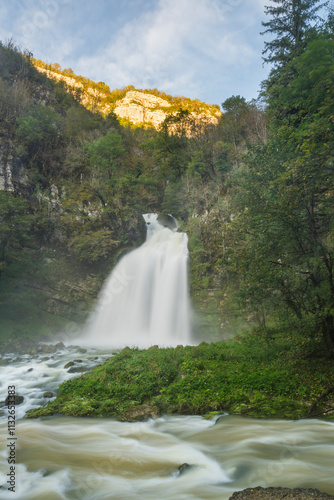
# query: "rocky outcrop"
(11, 171)
(139, 413)
(137, 106)
(259, 493)
(141, 107)
(91, 98)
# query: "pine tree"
(291, 22)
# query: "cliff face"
(137, 106)
(141, 107)
(11, 170)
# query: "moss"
(247, 376)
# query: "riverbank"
(256, 375)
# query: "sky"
(204, 49)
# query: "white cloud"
(173, 44)
(198, 48)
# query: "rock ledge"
(272, 493)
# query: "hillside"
(254, 193)
(139, 107)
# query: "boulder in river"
(184, 468)
(81, 350)
(76, 369)
(272, 493)
(69, 364)
(48, 394)
(17, 400)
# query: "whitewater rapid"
(68, 458)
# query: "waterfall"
(145, 301)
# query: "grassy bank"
(255, 375)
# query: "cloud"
(199, 48)
(174, 44)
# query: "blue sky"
(205, 49)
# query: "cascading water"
(145, 300)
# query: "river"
(67, 458)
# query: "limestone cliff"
(140, 107)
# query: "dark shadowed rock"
(48, 395)
(76, 369)
(260, 493)
(184, 468)
(69, 364)
(17, 400)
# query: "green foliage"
(104, 154)
(254, 375)
(15, 225)
(290, 21)
(93, 245)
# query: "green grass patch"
(249, 375)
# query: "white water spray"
(145, 301)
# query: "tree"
(291, 22)
(15, 224)
(285, 199)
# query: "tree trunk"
(328, 333)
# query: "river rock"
(46, 358)
(48, 395)
(48, 348)
(272, 493)
(184, 468)
(76, 369)
(139, 413)
(60, 345)
(69, 364)
(81, 350)
(17, 400)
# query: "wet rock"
(184, 468)
(78, 361)
(48, 395)
(30, 370)
(45, 472)
(81, 351)
(60, 345)
(17, 400)
(69, 364)
(17, 360)
(32, 350)
(260, 493)
(76, 369)
(46, 358)
(139, 413)
(48, 348)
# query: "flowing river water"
(67, 458)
